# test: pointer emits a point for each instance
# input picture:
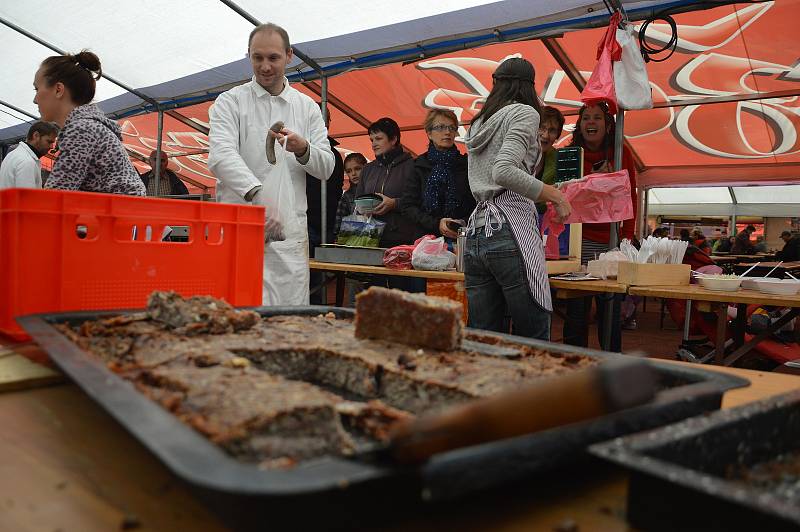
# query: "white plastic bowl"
(749, 283)
(780, 287)
(721, 284)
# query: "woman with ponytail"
(504, 264)
(91, 155)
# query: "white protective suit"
(239, 120)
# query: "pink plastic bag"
(600, 87)
(597, 198)
(398, 257)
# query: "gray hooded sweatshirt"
(92, 157)
(503, 153)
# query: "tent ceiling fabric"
(168, 51)
(172, 53)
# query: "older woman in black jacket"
(438, 193)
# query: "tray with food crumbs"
(267, 410)
(737, 469)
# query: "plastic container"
(780, 287)
(749, 283)
(366, 203)
(461, 242)
(64, 251)
(720, 284)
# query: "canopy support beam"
(159, 137)
(17, 109)
(183, 119)
(790, 93)
(62, 52)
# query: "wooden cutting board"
(19, 373)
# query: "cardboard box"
(635, 274)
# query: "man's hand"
(445, 230)
(273, 231)
(388, 204)
(295, 143)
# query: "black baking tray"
(342, 487)
(679, 473)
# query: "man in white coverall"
(239, 124)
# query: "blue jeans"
(494, 274)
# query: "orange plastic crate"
(62, 251)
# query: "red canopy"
(731, 53)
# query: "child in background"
(353, 164)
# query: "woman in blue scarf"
(438, 198)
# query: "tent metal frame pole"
(159, 138)
(644, 202)
(17, 109)
(613, 237)
(62, 52)
(421, 51)
(323, 186)
(183, 119)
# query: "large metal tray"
(349, 254)
(678, 477)
(338, 486)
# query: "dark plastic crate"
(679, 474)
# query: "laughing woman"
(91, 156)
(504, 265)
(594, 132)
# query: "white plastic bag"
(606, 266)
(630, 73)
(431, 254)
(277, 196)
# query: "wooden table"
(565, 289)
(69, 466)
(554, 267)
(751, 257)
(717, 301)
(724, 259)
(763, 268)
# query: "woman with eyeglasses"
(437, 196)
(504, 264)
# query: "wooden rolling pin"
(579, 396)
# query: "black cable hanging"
(649, 51)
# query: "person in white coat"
(22, 167)
(239, 125)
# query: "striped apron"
(520, 213)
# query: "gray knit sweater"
(503, 153)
